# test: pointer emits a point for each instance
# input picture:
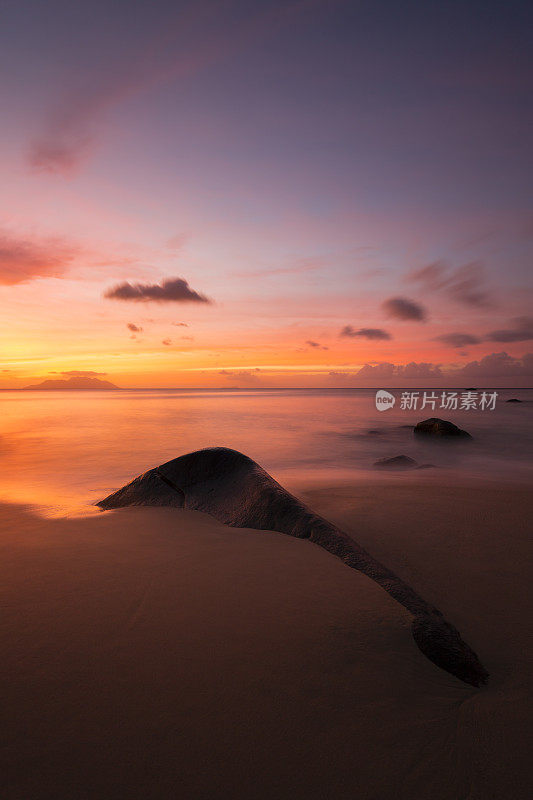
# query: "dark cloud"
(167, 342)
(464, 284)
(522, 331)
(179, 324)
(170, 290)
(457, 339)
(497, 365)
(365, 333)
(24, 258)
(133, 328)
(402, 308)
(316, 345)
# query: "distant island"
(73, 383)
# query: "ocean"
(61, 451)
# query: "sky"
(220, 194)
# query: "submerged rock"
(396, 462)
(238, 492)
(440, 428)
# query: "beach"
(154, 652)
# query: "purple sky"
(308, 167)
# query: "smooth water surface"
(60, 448)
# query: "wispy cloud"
(134, 328)
(24, 258)
(365, 333)
(522, 331)
(296, 267)
(316, 345)
(191, 40)
(81, 373)
(243, 376)
(465, 284)
(70, 130)
(177, 243)
(169, 290)
(404, 309)
(457, 339)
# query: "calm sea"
(61, 450)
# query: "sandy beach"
(155, 653)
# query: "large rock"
(395, 462)
(440, 428)
(238, 492)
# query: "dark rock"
(238, 492)
(513, 400)
(396, 462)
(440, 428)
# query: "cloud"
(167, 342)
(170, 290)
(181, 45)
(497, 365)
(81, 373)
(247, 376)
(59, 152)
(296, 267)
(464, 284)
(386, 369)
(432, 276)
(69, 132)
(365, 333)
(521, 332)
(316, 345)
(133, 328)
(179, 324)
(177, 242)
(402, 308)
(23, 259)
(457, 339)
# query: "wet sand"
(155, 653)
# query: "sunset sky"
(266, 193)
